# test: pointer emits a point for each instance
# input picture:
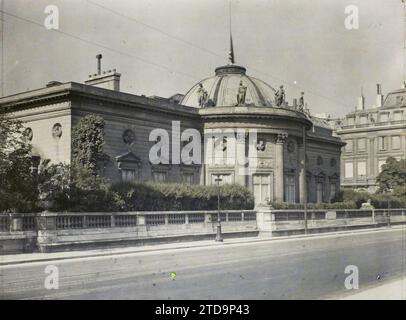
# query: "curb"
(195, 245)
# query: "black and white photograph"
(199, 155)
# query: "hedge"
(314, 206)
(378, 200)
(175, 196)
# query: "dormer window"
(363, 119)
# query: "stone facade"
(51, 112)
(371, 136)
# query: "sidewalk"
(394, 290)
(54, 256)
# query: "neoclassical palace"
(228, 102)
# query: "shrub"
(175, 196)
(378, 200)
(384, 201)
(76, 189)
(314, 206)
(354, 196)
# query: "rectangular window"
(380, 164)
(363, 119)
(349, 170)
(159, 176)
(397, 116)
(396, 142)
(384, 117)
(362, 169)
(400, 100)
(290, 189)
(349, 146)
(223, 179)
(362, 144)
(333, 190)
(319, 192)
(188, 178)
(350, 121)
(128, 175)
(382, 143)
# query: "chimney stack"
(379, 96)
(107, 79)
(99, 57)
(361, 101)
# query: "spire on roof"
(231, 53)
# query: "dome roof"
(222, 89)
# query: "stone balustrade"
(286, 222)
(48, 231)
(67, 231)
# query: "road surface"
(300, 268)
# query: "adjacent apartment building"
(371, 136)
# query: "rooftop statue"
(301, 102)
(280, 96)
(242, 91)
(307, 110)
(203, 95)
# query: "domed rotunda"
(253, 137)
(223, 87)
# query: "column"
(302, 174)
(202, 179)
(279, 176)
(208, 162)
(241, 157)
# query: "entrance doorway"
(262, 188)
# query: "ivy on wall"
(88, 142)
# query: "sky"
(163, 47)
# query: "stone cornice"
(254, 112)
(372, 128)
(72, 90)
(331, 139)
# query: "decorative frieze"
(281, 138)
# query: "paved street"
(389, 290)
(306, 268)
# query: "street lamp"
(305, 181)
(219, 238)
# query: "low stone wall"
(17, 233)
(288, 222)
(71, 231)
(47, 231)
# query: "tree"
(88, 190)
(392, 178)
(17, 182)
(54, 185)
